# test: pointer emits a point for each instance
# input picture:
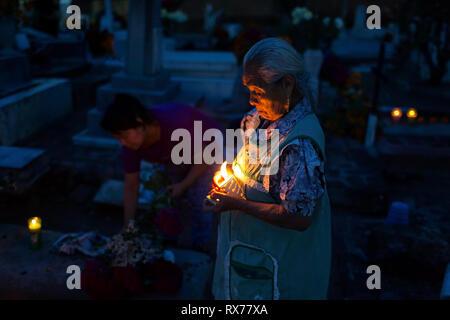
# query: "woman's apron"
(257, 260)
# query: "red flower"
(130, 279)
(98, 282)
(167, 221)
(165, 276)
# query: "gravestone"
(8, 27)
(15, 72)
(26, 111)
(62, 56)
(143, 76)
(202, 73)
(27, 105)
(14, 66)
(361, 44)
(198, 73)
(20, 168)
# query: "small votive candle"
(412, 115)
(396, 114)
(34, 225)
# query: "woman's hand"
(271, 213)
(176, 190)
(224, 202)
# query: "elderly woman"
(274, 236)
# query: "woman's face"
(271, 100)
(131, 138)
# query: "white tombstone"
(144, 76)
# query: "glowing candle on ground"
(412, 115)
(34, 225)
(396, 114)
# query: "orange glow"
(238, 172)
(221, 177)
(34, 223)
(396, 113)
(412, 113)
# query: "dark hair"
(122, 113)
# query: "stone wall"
(25, 112)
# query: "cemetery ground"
(412, 258)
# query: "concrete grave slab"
(20, 168)
(15, 73)
(27, 111)
(18, 158)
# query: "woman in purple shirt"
(145, 134)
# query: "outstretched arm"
(194, 173)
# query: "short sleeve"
(131, 161)
(300, 180)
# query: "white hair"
(273, 58)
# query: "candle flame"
(34, 223)
(223, 171)
(222, 176)
(238, 172)
(412, 113)
(396, 113)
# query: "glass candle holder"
(34, 226)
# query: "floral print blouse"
(300, 180)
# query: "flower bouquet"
(132, 247)
(171, 15)
(134, 263)
(156, 181)
(311, 31)
(160, 212)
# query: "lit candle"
(412, 115)
(396, 114)
(222, 176)
(34, 225)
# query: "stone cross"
(143, 76)
(109, 19)
(144, 56)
